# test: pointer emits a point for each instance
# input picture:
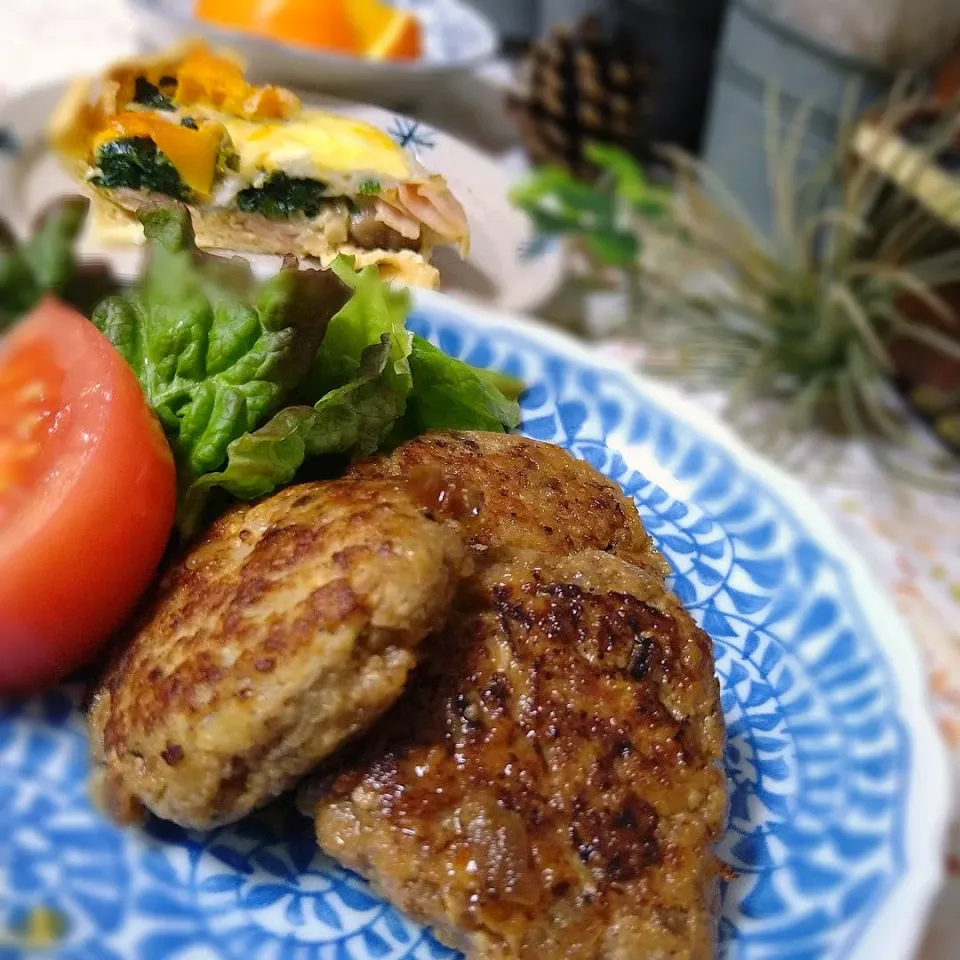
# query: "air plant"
(810, 314)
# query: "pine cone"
(577, 87)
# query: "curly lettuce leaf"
(450, 394)
(511, 387)
(376, 309)
(392, 395)
(216, 351)
(252, 379)
(353, 418)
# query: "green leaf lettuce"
(45, 262)
(216, 351)
(352, 418)
(252, 379)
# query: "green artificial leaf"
(618, 248)
(44, 263)
(597, 214)
(216, 351)
(556, 189)
(628, 179)
(351, 419)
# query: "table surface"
(910, 538)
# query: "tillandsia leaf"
(938, 270)
(781, 156)
(948, 346)
(869, 384)
(903, 281)
(833, 221)
(841, 295)
(719, 235)
(808, 317)
(719, 199)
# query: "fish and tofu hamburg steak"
(289, 628)
(511, 493)
(550, 785)
(542, 778)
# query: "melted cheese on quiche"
(243, 134)
(320, 146)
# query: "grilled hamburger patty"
(289, 628)
(550, 784)
(510, 493)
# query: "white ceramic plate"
(838, 780)
(507, 266)
(457, 39)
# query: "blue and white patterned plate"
(837, 778)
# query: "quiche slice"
(259, 172)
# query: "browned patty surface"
(550, 786)
(509, 493)
(289, 628)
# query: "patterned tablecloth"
(910, 538)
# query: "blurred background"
(756, 200)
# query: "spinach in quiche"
(135, 162)
(148, 94)
(281, 197)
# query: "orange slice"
(321, 24)
(383, 32)
(231, 14)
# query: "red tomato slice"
(87, 495)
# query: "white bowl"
(457, 40)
